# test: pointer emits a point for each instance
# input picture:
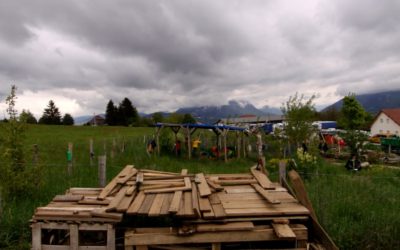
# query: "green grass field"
(359, 210)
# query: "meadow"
(360, 210)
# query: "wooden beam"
(267, 234)
(283, 231)
(264, 193)
(117, 199)
(36, 236)
(73, 237)
(203, 187)
(155, 208)
(176, 202)
(262, 179)
(233, 226)
(110, 237)
(136, 204)
(195, 201)
(301, 194)
(113, 183)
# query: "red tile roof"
(393, 114)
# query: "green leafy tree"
(188, 118)
(111, 114)
(51, 115)
(353, 115)
(299, 114)
(145, 122)
(157, 117)
(353, 118)
(27, 117)
(174, 118)
(16, 179)
(68, 120)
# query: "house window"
(381, 120)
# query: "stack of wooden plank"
(212, 209)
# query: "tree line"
(125, 114)
(51, 116)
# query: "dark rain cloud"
(185, 53)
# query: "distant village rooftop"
(252, 119)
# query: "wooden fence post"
(35, 154)
(91, 152)
(123, 145)
(282, 172)
(112, 154)
(238, 142)
(69, 158)
(102, 170)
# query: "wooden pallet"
(64, 236)
(214, 210)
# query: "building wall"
(384, 125)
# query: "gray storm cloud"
(169, 54)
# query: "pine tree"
(51, 115)
(127, 113)
(111, 114)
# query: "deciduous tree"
(299, 113)
(353, 118)
(188, 118)
(68, 120)
(16, 178)
(27, 117)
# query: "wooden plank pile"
(228, 211)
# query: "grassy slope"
(358, 210)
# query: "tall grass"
(359, 210)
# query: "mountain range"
(373, 103)
(210, 114)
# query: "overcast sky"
(163, 55)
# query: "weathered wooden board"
(283, 231)
(262, 179)
(176, 202)
(155, 208)
(204, 189)
(136, 204)
(265, 194)
(267, 234)
(233, 226)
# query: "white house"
(387, 122)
